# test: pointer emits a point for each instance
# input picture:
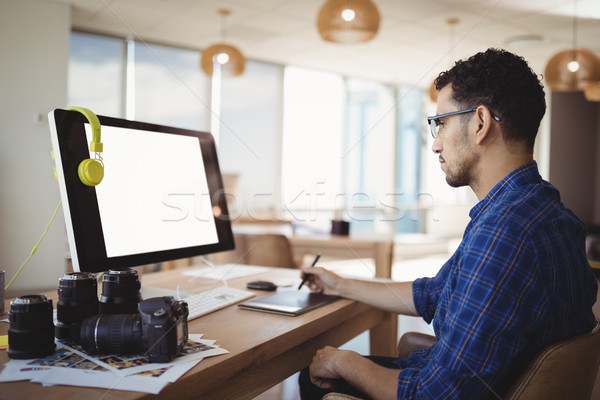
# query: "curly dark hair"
(503, 82)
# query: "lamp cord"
(574, 24)
(34, 247)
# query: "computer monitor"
(161, 198)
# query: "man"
(519, 280)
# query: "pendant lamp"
(348, 21)
(573, 69)
(433, 92)
(230, 59)
(592, 91)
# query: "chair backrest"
(269, 250)
(412, 341)
(564, 370)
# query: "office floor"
(401, 270)
(286, 390)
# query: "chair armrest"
(339, 396)
(411, 341)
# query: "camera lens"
(120, 292)
(77, 300)
(112, 334)
(31, 332)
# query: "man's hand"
(389, 296)
(322, 280)
(322, 368)
(330, 364)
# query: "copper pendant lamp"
(230, 59)
(348, 21)
(433, 92)
(573, 69)
(592, 91)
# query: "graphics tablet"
(289, 302)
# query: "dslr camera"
(159, 330)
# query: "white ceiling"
(414, 42)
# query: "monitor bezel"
(80, 204)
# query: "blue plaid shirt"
(518, 282)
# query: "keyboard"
(214, 299)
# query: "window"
(369, 154)
(312, 145)
(170, 88)
(409, 200)
(293, 143)
(352, 151)
(250, 139)
(96, 78)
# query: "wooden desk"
(264, 348)
(378, 248)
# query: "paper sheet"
(68, 366)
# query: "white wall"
(34, 43)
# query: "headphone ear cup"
(90, 172)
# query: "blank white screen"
(154, 195)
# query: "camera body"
(159, 330)
(164, 327)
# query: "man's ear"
(483, 118)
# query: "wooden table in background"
(378, 247)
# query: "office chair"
(564, 370)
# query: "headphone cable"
(34, 247)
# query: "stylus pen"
(306, 276)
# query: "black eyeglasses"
(434, 121)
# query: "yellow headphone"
(91, 171)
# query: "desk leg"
(383, 338)
(383, 254)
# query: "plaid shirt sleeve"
(479, 314)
